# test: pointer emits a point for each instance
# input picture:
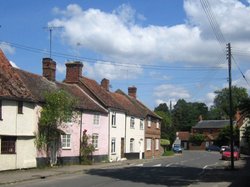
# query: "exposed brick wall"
(153, 133)
(132, 91)
(73, 72)
(49, 69)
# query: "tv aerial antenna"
(51, 29)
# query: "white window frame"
(131, 145)
(141, 124)
(66, 141)
(113, 142)
(113, 119)
(132, 122)
(95, 138)
(157, 142)
(157, 125)
(148, 143)
(149, 121)
(96, 119)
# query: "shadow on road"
(178, 175)
(174, 176)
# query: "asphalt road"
(180, 170)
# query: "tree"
(58, 108)
(244, 107)
(165, 143)
(185, 115)
(163, 107)
(197, 139)
(167, 129)
(221, 101)
(224, 136)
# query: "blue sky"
(166, 48)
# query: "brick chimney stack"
(73, 71)
(49, 69)
(105, 84)
(132, 91)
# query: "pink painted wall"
(73, 128)
(101, 130)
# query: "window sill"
(113, 126)
(66, 148)
(113, 153)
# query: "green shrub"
(168, 153)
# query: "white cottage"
(18, 120)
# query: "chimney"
(105, 84)
(132, 91)
(49, 69)
(73, 71)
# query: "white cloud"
(13, 64)
(168, 92)
(168, 102)
(7, 48)
(112, 71)
(117, 35)
(241, 82)
(209, 100)
(61, 68)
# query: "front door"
(122, 148)
(53, 153)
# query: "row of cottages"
(119, 124)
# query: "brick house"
(183, 136)
(210, 129)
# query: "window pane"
(8, 145)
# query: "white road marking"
(169, 164)
(139, 165)
(157, 165)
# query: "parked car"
(222, 148)
(226, 155)
(177, 148)
(212, 148)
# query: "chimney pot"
(132, 91)
(49, 69)
(73, 71)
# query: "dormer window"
(20, 107)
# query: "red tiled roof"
(130, 107)
(12, 86)
(39, 85)
(184, 135)
(84, 101)
(99, 93)
(144, 111)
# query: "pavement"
(218, 175)
(221, 175)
